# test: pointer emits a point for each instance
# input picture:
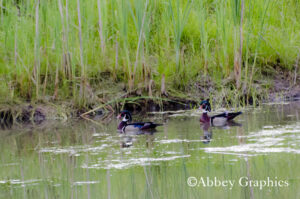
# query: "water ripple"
(126, 163)
(268, 140)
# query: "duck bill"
(200, 108)
(119, 117)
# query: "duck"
(216, 120)
(124, 126)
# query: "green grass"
(62, 48)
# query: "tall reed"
(101, 35)
(223, 28)
(82, 82)
(238, 12)
(64, 48)
(202, 14)
(179, 20)
(37, 49)
(261, 32)
(140, 24)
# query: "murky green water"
(84, 160)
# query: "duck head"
(205, 105)
(125, 116)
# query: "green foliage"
(180, 39)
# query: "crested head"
(204, 101)
(205, 105)
(125, 116)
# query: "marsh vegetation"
(91, 51)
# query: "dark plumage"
(205, 105)
(124, 126)
(216, 120)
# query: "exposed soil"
(283, 88)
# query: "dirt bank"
(282, 87)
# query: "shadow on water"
(79, 159)
(6, 119)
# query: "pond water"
(257, 157)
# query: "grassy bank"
(86, 50)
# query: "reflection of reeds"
(149, 183)
(108, 183)
(58, 172)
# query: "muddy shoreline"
(37, 113)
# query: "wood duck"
(216, 120)
(124, 126)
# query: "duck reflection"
(126, 141)
(207, 132)
(208, 129)
(128, 138)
